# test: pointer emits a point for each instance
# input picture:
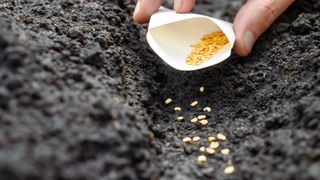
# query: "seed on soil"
(196, 138)
(229, 169)
(211, 138)
(151, 135)
(194, 120)
(203, 122)
(201, 159)
(179, 118)
(202, 149)
(207, 109)
(225, 151)
(186, 140)
(168, 101)
(202, 117)
(201, 89)
(214, 144)
(177, 109)
(221, 137)
(194, 103)
(210, 150)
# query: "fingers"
(253, 19)
(144, 9)
(183, 6)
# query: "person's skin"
(254, 17)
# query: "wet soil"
(82, 97)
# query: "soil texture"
(82, 97)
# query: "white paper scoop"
(171, 35)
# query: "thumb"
(253, 19)
(144, 9)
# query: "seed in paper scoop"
(203, 122)
(168, 101)
(201, 159)
(177, 109)
(194, 103)
(179, 118)
(225, 151)
(196, 138)
(209, 45)
(194, 120)
(229, 169)
(186, 139)
(214, 144)
(221, 137)
(207, 109)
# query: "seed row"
(214, 141)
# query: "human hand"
(254, 17)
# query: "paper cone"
(170, 35)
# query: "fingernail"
(177, 5)
(137, 8)
(249, 40)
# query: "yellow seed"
(167, 101)
(193, 120)
(186, 139)
(229, 169)
(179, 118)
(214, 144)
(221, 137)
(201, 89)
(177, 109)
(203, 122)
(225, 151)
(202, 149)
(208, 109)
(194, 103)
(211, 138)
(209, 45)
(201, 159)
(210, 150)
(202, 116)
(196, 138)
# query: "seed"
(209, 45)
(177, 109)
(179, 118)
(201, 89)
(201, 159)
(210, 150)
(203, 122)
(225, 151)
(202, 116)
(208, 109)
(194, 103)
(196, 138)
(202, 149)
(167, 101)
(211, 138)
(214, 144)
(221, 137)
(186, 139)
(193, 120)
(229, 169)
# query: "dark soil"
(82, 97)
